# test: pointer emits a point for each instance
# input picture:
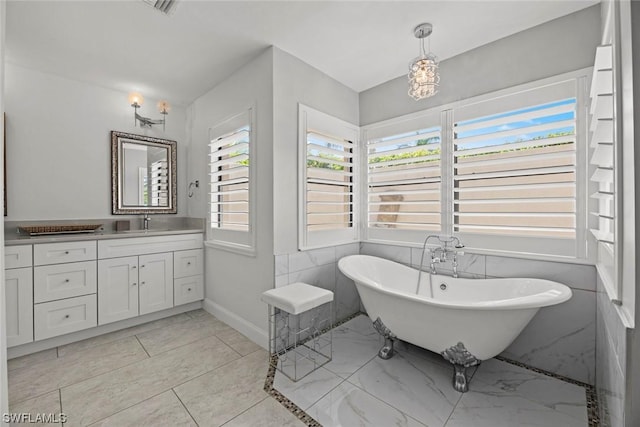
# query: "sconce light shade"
(135, 99)
(423, 70)
(164, 107)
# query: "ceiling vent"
(164, 6)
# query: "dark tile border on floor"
(289, 405)
(591, 397)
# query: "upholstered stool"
(298, 315)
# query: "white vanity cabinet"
(118, 289)
(64, 288)
(18, 294)
(136, 275)
(188, 285)
(134, 285)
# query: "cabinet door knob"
(134, 267)
(66, 252)
(66, 280)
(66, 316)
(142, 283)
(142, 266)
(189, 263)
(189, 289)
(133, 284)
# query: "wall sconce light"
(423, 70)
(136, 100)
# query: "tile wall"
(319, 267)
(610, 360)
(560, 339)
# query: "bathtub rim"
(543, 299)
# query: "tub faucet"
(454, 262)
(434, 260)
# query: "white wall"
(558, 46)
(59, 146)
(297, 82)
(235, 282)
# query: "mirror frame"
(116, 188)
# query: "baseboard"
(48, 343)
(255, 334)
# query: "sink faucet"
(145, 222)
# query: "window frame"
(532, 247)
(312, 119)
(242, 242)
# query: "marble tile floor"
(194, 370)
(414, 389)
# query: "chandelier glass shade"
(424, 77)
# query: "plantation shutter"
(602, 141)
(229, 180)
(328, 165)
(515, 168)
(404, 180)
(329, 182)
(159, 183)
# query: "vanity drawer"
(62, 317)
(188, 289)
(187, 263)
(18, 256)
(53, 282)
(56, 253)
(115, 248)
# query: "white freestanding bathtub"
(465, 320)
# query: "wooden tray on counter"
(39, 230)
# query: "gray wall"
(59, 145)
(297, 82)
(235, 282)
(558, 46)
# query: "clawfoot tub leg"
(386, 352)
(461, 359)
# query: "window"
(230, 172)
(328, 159)
(504, 172)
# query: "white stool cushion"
(297, 297)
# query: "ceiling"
(127, 45)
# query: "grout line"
(184, 406)
(246, 410)
(129, 407)
(127, 336)
(143, 348)
(60, 400)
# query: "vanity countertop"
(160, 226)
(15, 238)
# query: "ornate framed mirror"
(143, 174)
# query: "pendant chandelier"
(423, 70)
